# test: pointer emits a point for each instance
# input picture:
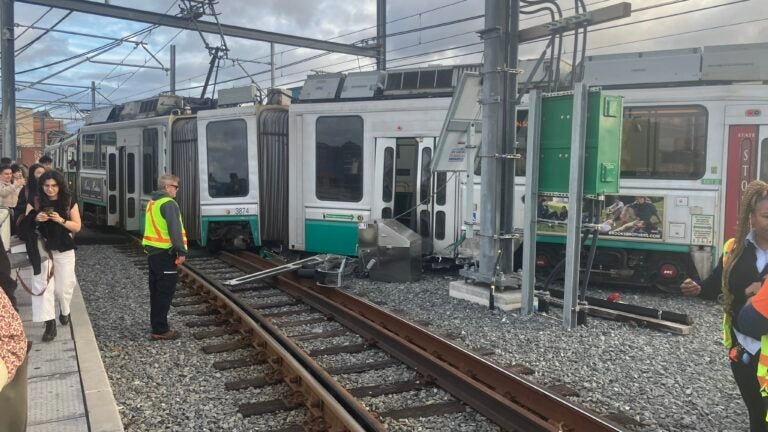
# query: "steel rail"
(329, 405)
(509, 400)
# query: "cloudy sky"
(664, 24)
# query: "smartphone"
(48, 210)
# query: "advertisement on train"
(626, 216)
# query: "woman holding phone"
(58, 218)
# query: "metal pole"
(575, 198)
(381, 35)
(494, 47)
(531, 202)
(173, 69)
(8, 71)
(93, 96)
(272, 65)
(469, 191)
(509, 139)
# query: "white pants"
(5, 227)
(60, 287)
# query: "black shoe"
(50, 330)
(64, 319)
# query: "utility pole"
(173, 69)
(508, 136)
(93, 96)
(272, 65)
(498, 100)
(8, 71)
(381, 34)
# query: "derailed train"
(359, 147)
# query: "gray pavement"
(68, 386)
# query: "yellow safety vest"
(156, 228)
(762, 362)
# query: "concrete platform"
(67, 384)
(505, 300)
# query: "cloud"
(328, 19)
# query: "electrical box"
(602, 159)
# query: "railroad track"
(308, 336)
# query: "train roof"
(707, 66)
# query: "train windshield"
(339, 158)
(227, 158)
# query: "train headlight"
(668, 271)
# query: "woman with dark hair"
(737, 277)
(58, 218)
(35, 171)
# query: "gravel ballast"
(666, 382)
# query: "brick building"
(34, 130)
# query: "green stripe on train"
(330, 237)
(253, 221)
(621, 244)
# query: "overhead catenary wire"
(107, 46)
(335, 38)
(16, 37)
(18, 51)
(257, 73)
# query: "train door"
(129, 189)
(447, 209)
(424, 192)
(403, 183)
(113, 174)
(742, 169)
(384, 179)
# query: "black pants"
(162, 285)
(746, 379)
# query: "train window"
(441, 183)
(440, 225)
(339, 158)
(227, 158)
(112, 172)
(131, 173)
(664, 142)
(426, 178)
(105, 139)
(389, 170)
(764, 160)
(88, 150)
(424, 223)
(386, 213)
(149, 161)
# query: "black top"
(56, 236)
(743, 274)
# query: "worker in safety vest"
(165, 242)
(739, 276)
